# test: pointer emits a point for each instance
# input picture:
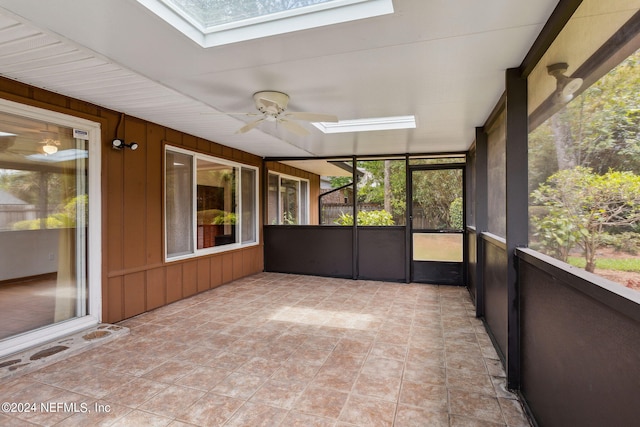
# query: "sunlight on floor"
(336, 319)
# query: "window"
(288, 200)
(210, 204)
(584, 177)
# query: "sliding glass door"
(44, 225)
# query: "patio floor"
(283, 350)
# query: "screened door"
(436, 221)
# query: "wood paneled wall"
(314, 186)
(135, 277)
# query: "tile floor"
(284, 350)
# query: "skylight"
(217, 22)
(364, 125)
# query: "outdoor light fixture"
(119, 144)
(50, 146)
(566, 87)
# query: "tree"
(382, 183)
(434, 192)
(600, 129)
(581, 205)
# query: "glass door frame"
(456, 270)
(91, 313)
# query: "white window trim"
(215, 249)
(307, 193)
(280, 23)
(94, 233)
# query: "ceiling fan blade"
(249, 126)
(293, 127)
(312, 117)
(223, 113)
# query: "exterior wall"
(314, 186)
(135, 277)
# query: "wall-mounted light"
(119, 144)
(566, 87)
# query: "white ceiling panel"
(442, 61)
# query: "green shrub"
(371, 218)
(456, 219)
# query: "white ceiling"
(441, 60)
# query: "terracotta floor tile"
(379, 386)
(469, 381)
(282, 394)
(296, 372)
(169, 371)
(136, 392)
(310, 356)
(389, 351)
(140, 418)
(288, 350)
(99, 413)
(210, 410)
(297, 419)
(409, 416)
(321, 402)
(353, 345)
(459, 421)
(99, 382)
(368, 412)
(261, 366)
(55, 413)
(425, 374)
(253, 414)
(475, 405)
(494, 367)
(203, 378)
(427, 396)
(344, 361)
(336, 378)
(383, 367)
(513, 413)
(230, 361)
(466, 362)
(171, 401)
(239, 385)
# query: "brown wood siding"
(134, 294)
(135, 277)
(314, 186)
(156, 288)
(216, 271)
(204, 274)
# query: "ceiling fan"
(272, 105)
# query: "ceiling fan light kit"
(273, 104)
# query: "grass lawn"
(437, 247)
(618, 264)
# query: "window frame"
(195, 252)
(309, 17)
(301, 210)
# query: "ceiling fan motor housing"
(271, 102)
